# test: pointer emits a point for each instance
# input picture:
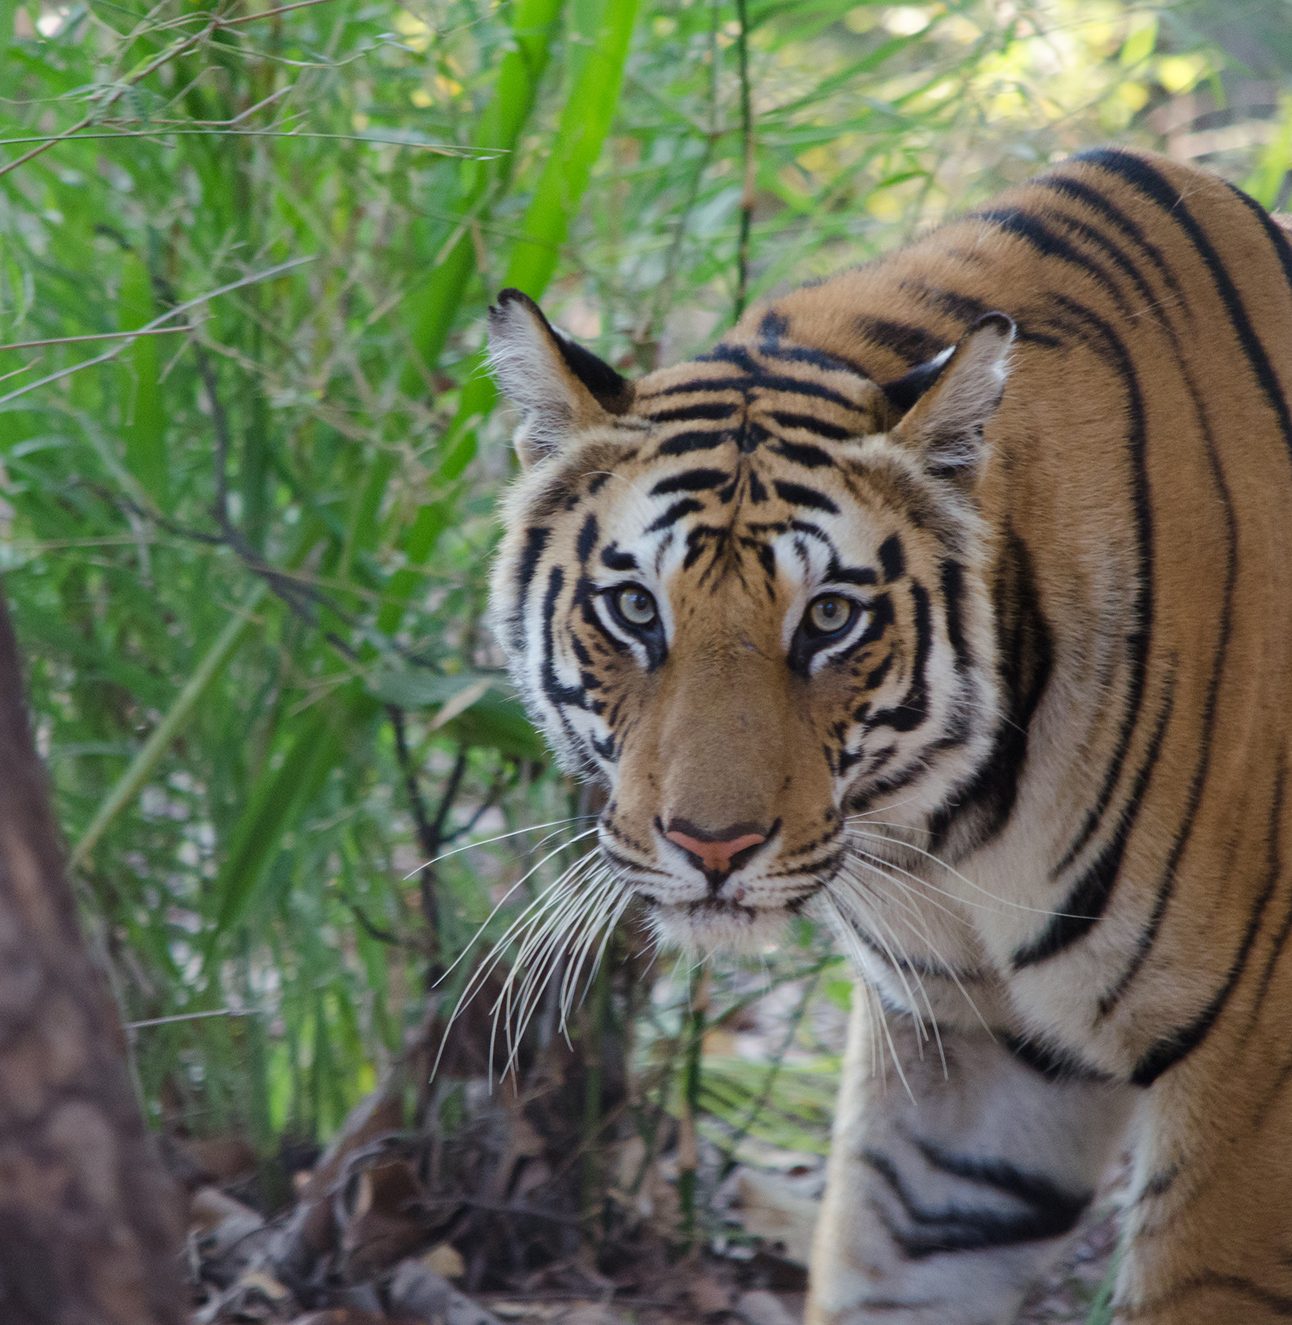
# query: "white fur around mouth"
(712, 925)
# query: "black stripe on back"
(913, 708)
(1141, 504)
(1276, 234)
(1046, 242)
(1167, 880)
(1098, 202)
(1142, 176)
(903, 339)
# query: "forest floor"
(394, 1227)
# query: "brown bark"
(88, 1226)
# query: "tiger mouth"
(713, 906)
(705, 908)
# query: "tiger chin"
(948, 601)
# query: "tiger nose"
(715, 853)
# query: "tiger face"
(745, 594)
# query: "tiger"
(947, 601)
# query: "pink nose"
(714, 852)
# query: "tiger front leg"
(1208, 1236)
(945, 1204)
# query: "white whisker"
(488, 841)
(529, 916)
(899, 960)
(1000, 901)
(913, 917)
(841, 926)
(502, 901)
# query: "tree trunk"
(88, 1226)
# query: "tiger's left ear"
(558, 386)
(948, 400)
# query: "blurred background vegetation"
(246, 543)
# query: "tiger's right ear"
(558, 386)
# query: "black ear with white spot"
(947, 401)
(558, 386)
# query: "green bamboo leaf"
(141, 768)
(471, 707)
(272, 809)
(143, 425)
(533, 30)
(600, 32)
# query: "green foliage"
(247, 553)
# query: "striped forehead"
(757, 398)
(729, 452)
(735, 510)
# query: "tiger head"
(747, 594)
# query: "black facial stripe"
(615, 558)
(767, 560)
(798, 495)
(764, 381)
(686, 443)
(1025, 652)
(664, 544)
(704, 409)
(679, 509)
(559, 696)
(832, 432)
(690, 480)
(913, 710)
(624, 862)
(587, 539)
(892, 561)
(951, 576)
(839, 656)
(535, 544)
(837, 574)
(817, 358)
(802, 453)
(876, 676)
(584, 596)
(1052, 1063)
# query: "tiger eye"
(829, 613)
(636, 606)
